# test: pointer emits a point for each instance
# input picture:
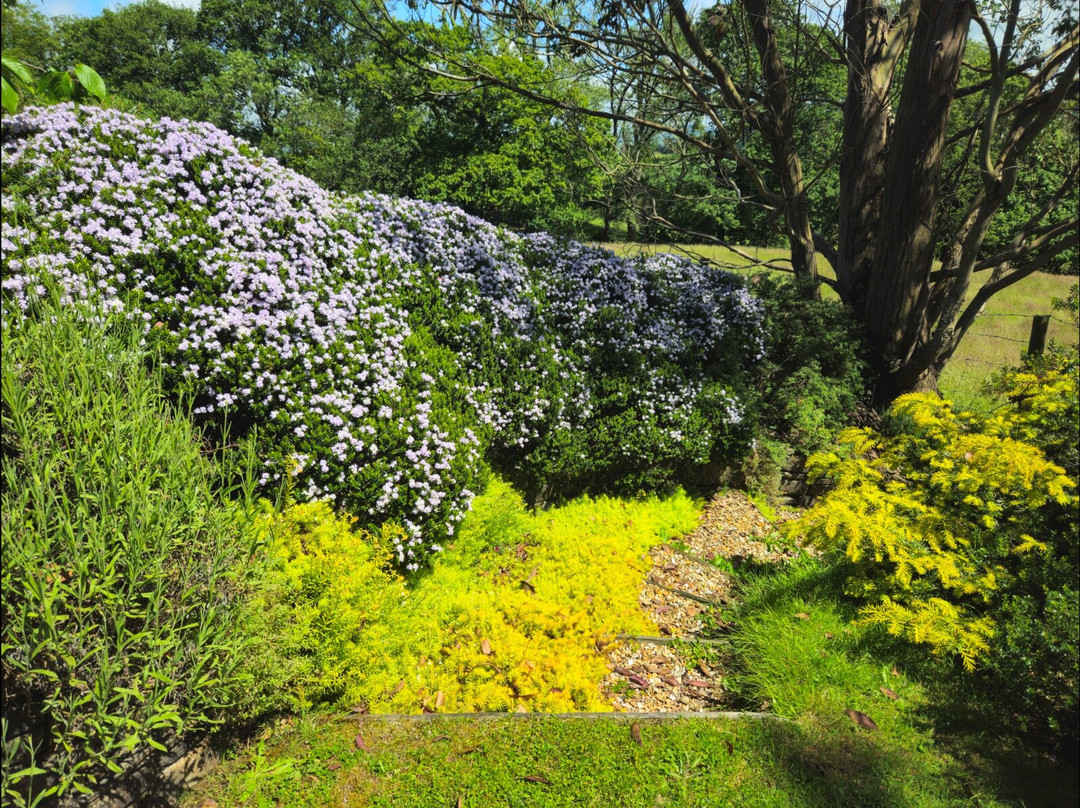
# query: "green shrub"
(1033, 670)
(957, 532)
(122, 569)
(934, 519)
(814, 372)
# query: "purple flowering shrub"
(383, 348)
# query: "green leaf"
(30, 771)
(18, 68)
(10, 97)
(90, 79)
(56, 85)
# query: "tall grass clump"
(123, 564)
(385, 348)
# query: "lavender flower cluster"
(382, 347)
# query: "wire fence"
(969, 370)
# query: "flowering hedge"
(382, 347)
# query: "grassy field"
(998, 337)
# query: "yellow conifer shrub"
(929, 515)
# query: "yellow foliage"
(323, 602)
(926, 516)
(547, 592)
(515, 614)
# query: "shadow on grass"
(837, 767)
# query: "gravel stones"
(682, 594)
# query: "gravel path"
(683, 594)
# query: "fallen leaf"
(532, 574)
(440, 699)
(536, 778)
(861, 719)
(619, 669)
(438, 738)
(333, 765)
(730, 747)
(460, 802)
(662, 609)
(399, 688)
(635, 733)
(889, 693)
(801, 616)
(697, 683)
(521, 709)
(526, 586)
(528, 665)
(588, 598)
(485, 647)
(640, 681)
(895, 672)
(470, 751)
(555, 690)
(360, 743)
(829, 635)
(671, 680)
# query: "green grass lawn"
(572, 762)
(998, 337)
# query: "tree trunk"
(864, 145)
(899, 288)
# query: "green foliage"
(812, 377)
(1034, 668)
(122, 566)
(52, 86)
(935, 519)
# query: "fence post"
(1037, 341)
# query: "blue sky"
(91, 8)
